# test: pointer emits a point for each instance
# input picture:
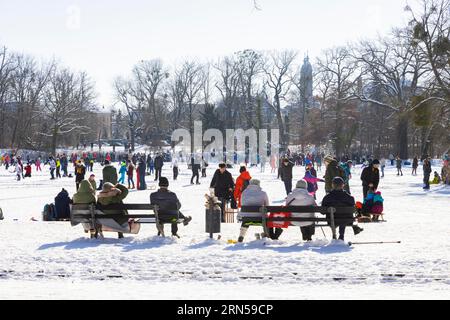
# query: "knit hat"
(302, 184)
(255, 182)
(163, 182)
(376, 161)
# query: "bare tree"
(67, 98)
(228, 86)
(431, 36)
(129, 94)
(27, 86)
(149, 76)
(339, 74)
(7, 67)
(394, 65)
(278, 68)
(249, 66)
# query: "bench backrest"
(299, 209)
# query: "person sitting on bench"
(339, 198)
(301, 197)
(85, 195)
(168, 208)
(252, 196)
(111, 194)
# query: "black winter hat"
(163, 182)
(338, 181)
(376, 161)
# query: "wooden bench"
(332, 221)
(92, 213)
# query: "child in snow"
(28, 171)
(373, 203)
(436, 179)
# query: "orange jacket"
(239, 185)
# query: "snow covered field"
(53, 260)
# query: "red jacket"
(239, 186)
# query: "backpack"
(49, 213)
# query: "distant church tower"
(306, 83)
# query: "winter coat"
(80, 171)
(110, 174)
(415, 163)
(301, 197)
(333, 171)
(130, 170)
(222, 183)
(312, 182)
(373, 203)
(28, 170)
(123, 169)
(85, 194)
(427, 168)
(62, 205)
(114, 197)
(253, 196)
(286, 171)
(52, 164)
(399, 163)
(370, 175)
(339, 198)
(167, 201)
(159, 162)
(241, 181)
(93, 185)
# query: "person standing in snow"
(38, 164)
(159, 163)
(370, 177)
(347, 167)
(223, 185)
(195, 167)
(80, 171)
(426, 173)
(142, 168)
(122, 171)
(18, 171)
(415, 165)
(175, 168)
(130, 173)
(109, 173)
(286, 174)
(58, 168)
(399, 166)
(332, 170)
(383, 165)
(52, 164)
(242, 183)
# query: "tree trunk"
(402, 136)
(54, 140)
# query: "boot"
(242, 234)
(357, 230)
(187, 220)
(120, 235)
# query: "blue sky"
(105, 38)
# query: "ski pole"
(380, 242)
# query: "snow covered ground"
(52, 259)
